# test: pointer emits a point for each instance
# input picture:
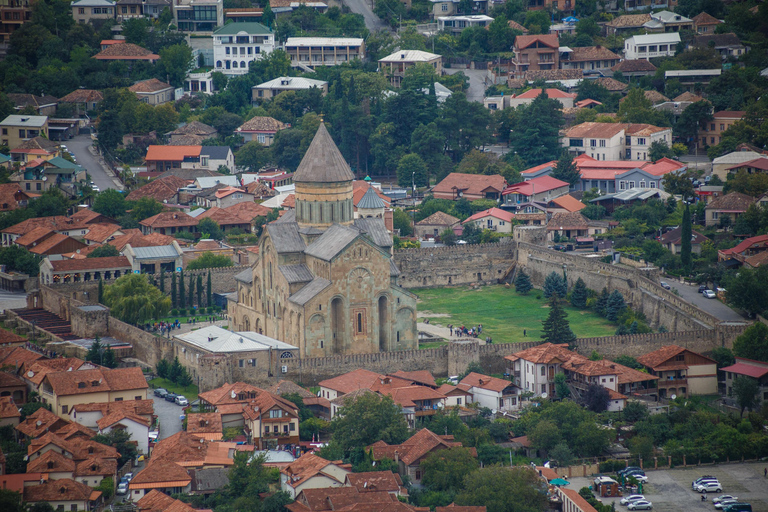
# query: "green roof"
(62, 163)
(4, 158)
(231, 29)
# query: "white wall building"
(236, 45)
(651, 45)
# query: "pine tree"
(615, 306)
(101, 291)
(208, 292)
(200, 290)
(191, 291)
(556, 328)
(523, 283)
(94, 354)
(173, 290)
(110, 360)
(633, 327)
(162, 280)
(685, 240)
(182, 297)
(555, 284)
(579, 294)
(566, 170)
(602, 302)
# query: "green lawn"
(190, 393)
(503, 313)
(432, 344)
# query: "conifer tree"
(101, 291)
(208, 292)
(685, 240)
(555, 284)
(200, 290)
(602, 302)
(556, 328)
(162, 280)
(523, 283)
(182, 297)
(191, 291)
(579, 294)
(615, 306)
(109, 359)
(173, 290)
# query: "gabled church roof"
(286, 237)
(323, 162)
(332, 242)
(310, 291)
(376, 230)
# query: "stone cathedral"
(325, 281)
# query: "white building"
(455, 24)
(274, 87)
(490, 392)
(308, 52)
(236, 45)
(614, 141)
(651, 45)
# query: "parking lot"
(168, 415)
(670, 489)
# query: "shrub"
(174, 312)
(612, 466)
(182, 311)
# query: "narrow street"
(365, 8)
(81, 147)
(711, 306)
(476, 91)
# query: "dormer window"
(50, 464)
(90, 449)
(95, 383)
(81, 385)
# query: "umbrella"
(559, 481)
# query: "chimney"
(397, 457)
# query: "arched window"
(359, 322)
(234, 64)
(242, 64)
(218, 63)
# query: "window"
(641, 141)
(722, 127)
(242, 363)
(593, 143)
(73, 508)
(444, 8)
(293, 426)
(261, 138)
(712, 127)
(276, 413)
(602, 143)
(458, 401)
(543, 371)
(64, 409)
(81, 10)
(652, 184)
(543, 388)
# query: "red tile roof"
(658, 357)
(161, 189)
(39, 422)
(675, 237)
(568, 202)
(729, 114)
(478, 380)
(551, 40)
(169, 219)
(51, 462)
(535, 186)
(439, 219)
(10, 195)
(171, 153)
(754, 369)
(746, 244)
(157, 501)
(733, 202)
(8, 408)
(64, 489)
(356, 379)
(418, 376)
(415, 448)
(99, 233)
(567, 220)
(473, 184)
(492, 212)
(161, 474)
(307, 466)
(82, 96)
(119, 262)
(372, 481)
(149, 86)
(96, 381)
(758, 163)
(125, 51)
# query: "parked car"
(722, 504)
(181, 400)
(629, 469)
(724, 497)
(738, 507)
(170, 397)
(161, 392)
(640, 477)
(703, 288)
(699, 480)
(640, 505)
(710, 294)
(626, 500)
(665, 285)
(122, 488)
(128, 476)
(709, 487)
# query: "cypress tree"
(602, 302)
(615, 306)
(556, 328)
(101, 291)
(579, 294)
(685, 240)
(162, 280)
(173, 290)
(191, 291)
(208, 292)
(182, 297)
(200, 290)
(523, 283)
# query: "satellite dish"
(493, 411)
(30, 373)
(544, 395)
(673, 397)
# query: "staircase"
(47, 321)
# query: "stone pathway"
(442, 332)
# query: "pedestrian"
(525, 333)
(765, 472)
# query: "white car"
(724, 497)
(122, 488)
(709, 487)
(626, 500)
(181, 400)
(709, 294)
(640, 505)
(724, 503)
(640, 478)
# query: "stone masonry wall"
(460, 264)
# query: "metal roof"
(332, 242)
(376, 231)
(323, 41)
(667, 37)
(161, 251)
(291, 82)
(296, 273)
(246, 276)
(285, 236)
(30, 121)
(323, 162)
(212, 181)
(370, 200)
(231, 29)
(218, 340)
(632, 195)
(310, 291)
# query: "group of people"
(163, 327)
(464, 331)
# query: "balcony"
(672, 383)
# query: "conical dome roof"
(370, 200)
(323, 162)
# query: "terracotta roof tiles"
(159, 473)
(207, 422)
(82, 96)
(39, 422)
(587, 53)
(734, 202)
(157, 501)
(64, 489)
(478, 380)
(567, 220)
(308, 466)
(125, 51)
(51, 462)
(439, 219)
(629, 21)
(169, 219)
(8, 408)
(262, 124)
(90, 264)
(99, 380)
(473, 184)
(551, 40)
(634, 66)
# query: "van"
(738, 507)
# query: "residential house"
(566, 203)
(614, 141)
(491, 392)
(162, 476)
(271, 420)
(261, 129)
(377, 481)
(199, 131)
(566, 99)
(753, 370)
(309, 52)
(572, 501)
(726, 45)
(571, 225)
(651, 45)
(163, 190)
(63, 494)
(333, 498)
(230, 196)
(312, 472)
(42, 105)
(416, 401)
(198, 16)
(395, 65)
(667, 21)
(87, 269)
(236, 45)
(540, 189)
(470, 186)
(127, 9)
(13, 387)
(10, 415)
(85, 11)
(611, 84)
(157, 501)
(164, 158)
(451, 7)
(634, 68)
(672, 240)
(536, 52)
(627, 23)
(409, 455)
(13, 15)
(192, 452)
(681, 372)
(721, 164)
(455, 24)
(711, 133)
(756, 166)
(50, 243)
(230, 400)
(705, 24)
(729, 206)
(127, 52)
(13, 197)
(41, 174)
(63, 390)
(746, 250)
(153, 91)
(17, 129)
(169, 223)
(455, 396)
(206, 425)
(216, 157)
(274, 87)
(156, 259)
(135, 416)
(534, 370)
(435, 224)
(589, 58)
(693, 80)
(286, 6)
(83, 101)
(40, 422)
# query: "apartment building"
(537, 52)
(455, 24)
(85, 11)
(651, 45)
(614, 141)
(236, 45)
(17, 129)
(711, 133)
(198, 16)
(309, 52)
(13, 14)
(395, 65)
(153, 91)
(451, 7)
(274, 87)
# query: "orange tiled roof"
(10, 194)
(567, 220)
(161, 189)
(478, 380)
(51, 462)
(262, 124)
(170, 219)
(286, 386)
(82, 96)
(544, 353)
(208, 422)
(414, 448)
(224, 394)
(120, 415)
(17, 356)
(308, 466)
(96, 466)
(470, 183)
(64, 489)
(658, 357)
(171, 153)
(161, 474)
(439, 219)
(157, 501)
(96, 381)
(125, 51)
(419, 376)
(99, 233)
(551, 40)
(8, 408)
(372, 481)
(149, 86)
(35, 371)
(569, 203)
(248, 210)
(40, 422)
(7, 337)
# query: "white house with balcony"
(651, 45)
(236, 45)
(455, 24)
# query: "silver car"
(626, 500)
(640, 505)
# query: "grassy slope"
(503, 312)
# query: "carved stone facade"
(323, 281)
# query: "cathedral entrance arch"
(383, 323)
(337, 325)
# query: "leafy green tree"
(537, 22)
(596, 398)
(110, 129)
(501, 489)
(636, 108)
(110, 203)
(561, 386)
(19, 259)
(210, 260)
(660, 149)
(685, 240)
(133, 300)
(746, 290)
(110, 359)
(185, 379)
(501, 37)
(615, 306)
(752, 343)
(252, 156)
(210, 229)
(556, 329)
(536, 134)
(10, 501)
(368, 419)
(523, 283)
(145, 208)
(628, 361)
(635, 411)
(723, 355)
(562, 454)
(579, 294)
(95, 352)
(746, 389)
(411, 169)
(104, 251)
(679, 183)
(566, 170)
(267, 16)
(555, 284)
(445, 470)
(465, 125)
(174, 63)
(107, 487)
(694, 117)
(120, 440)
(418, 77)
(448, 237)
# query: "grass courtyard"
(503, 313)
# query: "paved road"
(365, 8)
(9, 300)
(168, 415)
(81, 147)
(711, 306)
(476, 91)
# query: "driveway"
(168, 415)
(365, 8)
(82, 147)
(711, 306)
(670, 490)
(476, 91)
